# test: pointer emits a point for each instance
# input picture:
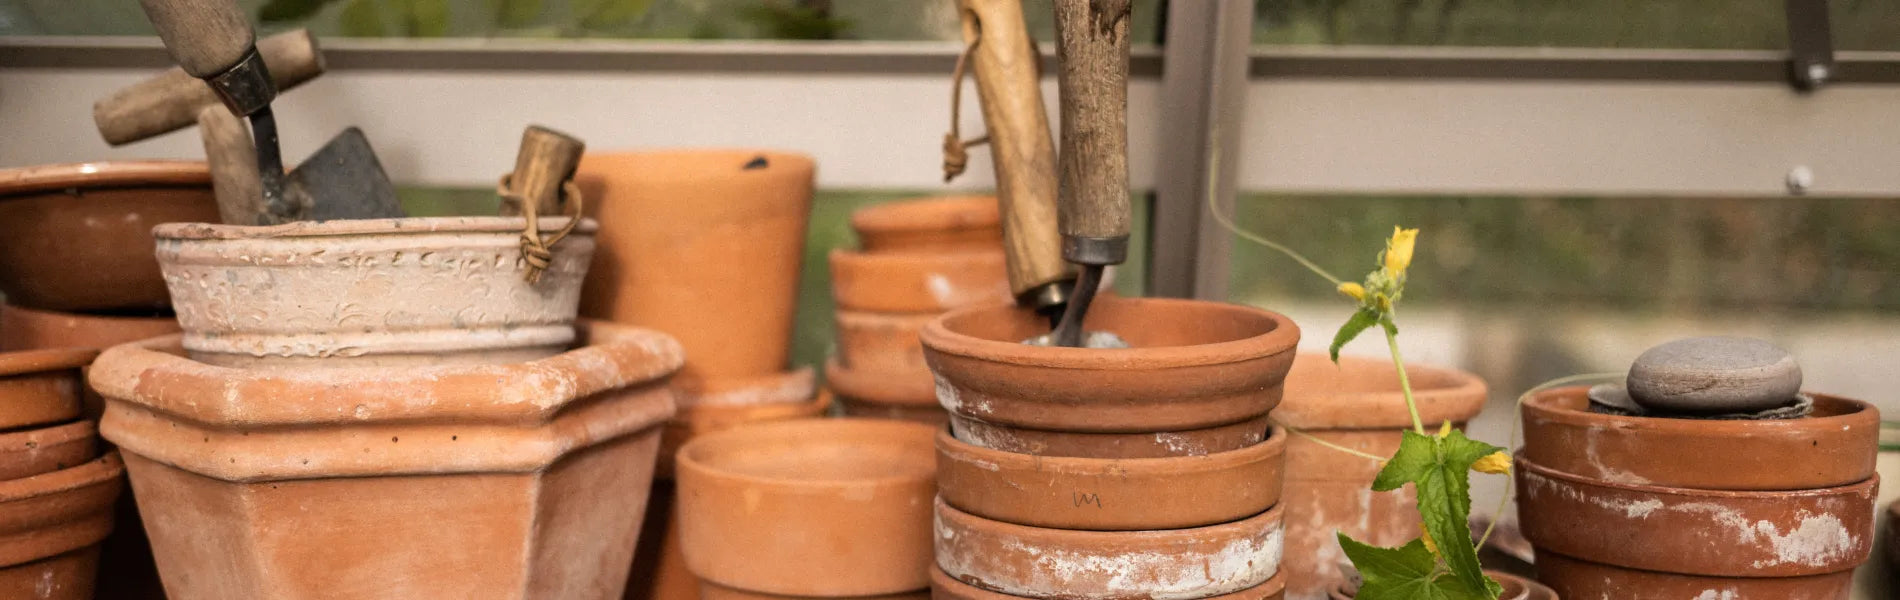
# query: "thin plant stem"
(1517, 416)
(1213, 206)
(1315, 439)
(1405, 382)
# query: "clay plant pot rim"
(42, 437)
(773, 159)
(1539, 406)
(153, 375)
(103, 174)
(892, 389)
(1771, 495)
(407, 225)
(795, 386)
(1274, 445)
(25, 362)
(1457, 403)
(928, 214)
(938, 337)
(857, 486)
(105, 468)
(1241, 526)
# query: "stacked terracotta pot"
(706, 246)
(57, 486)
(1357, 404)
(1140, 472)
(919, 259)
(1649, 507)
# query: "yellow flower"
(1444, 429)
(1358, 292)
(1495, 463)
(1398, 250)
(1426, 535)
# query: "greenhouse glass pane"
(1683, 24)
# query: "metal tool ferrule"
(1084, 250)
(246, 87)
(1048, 295)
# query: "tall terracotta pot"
(522, 481)
(1357, 404)
(704, 245)
(78, 237)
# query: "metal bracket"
(1810, 44)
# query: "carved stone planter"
(509, 481)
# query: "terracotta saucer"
(883, 343)
(1148, 444)
(902, 389)
(43, 450)
(39, 387)
(930, 224)
(917, 282)
(1364, 393)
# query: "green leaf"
(361, 18)
(517, 13)
(607, 14)
(1407, 572)
(279, 11)
(1358, 323)
(427, 18)
(1440, 470)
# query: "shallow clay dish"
(1037, 562)
(50, 528)
(1111, 494)
(1156, 444)
(78, 237)
(1701, 532)
(931, 225)
(371, 292)
(35, 451)
(39, 387)
(917, 282)
(1834, 446)
(1363, 393)
(713, 591)
(945, 587)
(1192, 365)
(24, 328)
(1572, 578)
(812, 507)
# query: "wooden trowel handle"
(1092, 49)
(547, 159)
(1007, 80)
(171, 100)
(205, 37)
(234, 178)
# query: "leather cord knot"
(537, 252)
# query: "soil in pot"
(78, 237)
(930, 225)
(704, 245)
(1357, 404)
(815, 507)
(1193, 367)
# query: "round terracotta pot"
(1749, 534)
(1193, 366)
(944, 587)
(46, 449)
(371, 292)
(945, 224)
(1515, 588)
(787, 387)
(928, 414)
(78, 237)
(1111, 494)
(50, 528)
(701, 420)
(704, 245)
(1835, 446)
(314, 474)
(40, 387)
(713, 591)
(882, 387)
(1038, 562)
(884, 346)
(1193, 442)
(24, 328)
(917, 282)
(1357, 404)
(1572, 578)
(814, 507)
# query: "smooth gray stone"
(1615, 399)
(1714, 375)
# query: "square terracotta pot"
(525, 480)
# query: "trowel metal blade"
(343, 180)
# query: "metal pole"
(1204, 86)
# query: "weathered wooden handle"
(206, 37)
(234, 179)
(1092, 49)
(546, 160)
(171, 100)
(1007, 73)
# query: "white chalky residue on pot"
(1609, 473)
(1180, 445)
(1241, 564)
(1718, 595)
(1815, 542)
(947, 394)
(1632, 509)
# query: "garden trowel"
(212, 40)
(1092, 207)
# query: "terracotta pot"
(78, 237)
(789, 387)
(1572, 578)
(1037, 562)
(944, 224)
(1111, 494)
(918, 282)
(29, 329)
(468, 481)
(882, 387)
(40, 387)
(1193, 366)
(371, 292)
(43, 450)
(659, 570)
(1835, 446)
(945, 587)
(814, 507)
(1357, 404)
(1193, 442)
(884, 347)
(50, 528)
(1749, 534)
(929, 414)
(703, 246)
(1515, 588)
(701, 420)
(713, 591)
